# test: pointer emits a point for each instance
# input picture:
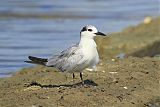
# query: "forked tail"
(35, 60)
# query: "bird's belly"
(92, 58)
(94, 61)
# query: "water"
(45, 27)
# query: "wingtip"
(29, 57)
(28, 61)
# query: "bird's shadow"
(86, 83)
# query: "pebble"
(147, 20)
(32, 88)
(113, 60)
(113, 72)
(103, 71)
(88, 69)
(125, 87)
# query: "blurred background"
(45, 27)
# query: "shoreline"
(108, 52)
(130, 81)
(5, 75)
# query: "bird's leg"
(73, 76)
(81, 78)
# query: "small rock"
(88, 69)
(125, 87)
(147, 20)
(103, 71)
(32, 88)
(113, 60)
(113, 72)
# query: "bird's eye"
(90, 30)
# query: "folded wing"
(69, 60)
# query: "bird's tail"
(35, 60)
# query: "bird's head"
(90, 31)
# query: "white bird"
(76, 58)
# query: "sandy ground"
(132, 82)
(128, 82)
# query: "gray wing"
(68, 60)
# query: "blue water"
(41, 34)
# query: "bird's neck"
(87, 42)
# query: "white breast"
(90, 51)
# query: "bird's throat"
(87, 42)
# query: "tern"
(77, 57)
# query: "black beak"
(100, 33)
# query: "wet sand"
(130, 82)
